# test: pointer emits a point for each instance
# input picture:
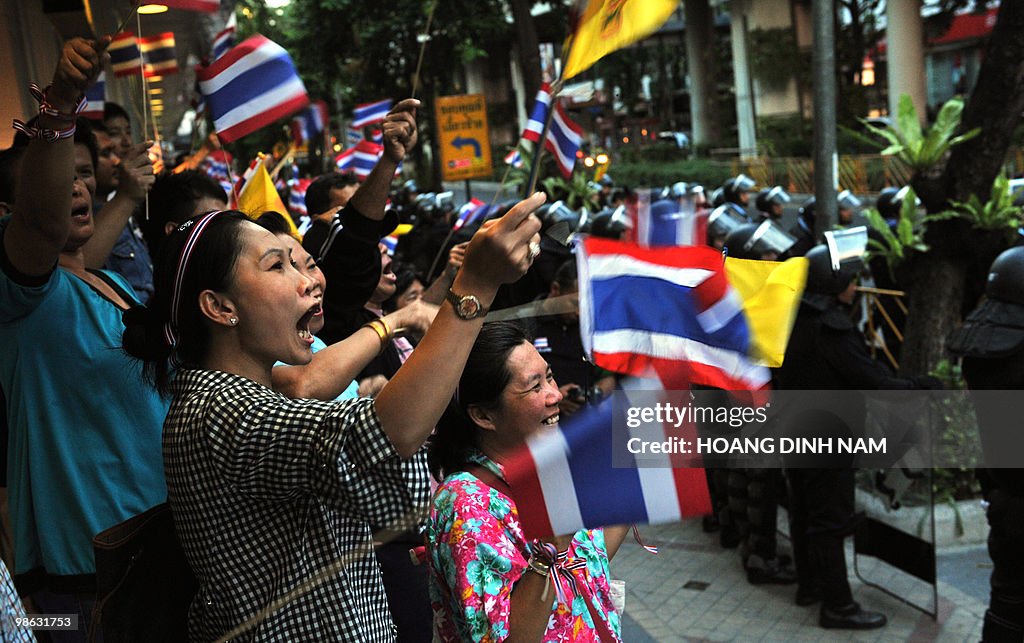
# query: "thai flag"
(353, 136)
(250, 87)
(390, 242)
(365, 157)
(225, 39)
(310, 123)
(95, 97)
(370, 113)
(668, 223)
(206, 6)
(470, 212)
(564, 136)
(125, 57)
(564, 481)
(158, 55)
(217, 166)
(514, 158)
(297, 197)
(698, 332)
(377, 136)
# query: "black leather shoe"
(850, 617)
(806, 596)
(769, 572)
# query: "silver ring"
(534, 250)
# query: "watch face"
(469, 307)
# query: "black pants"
(406, 588)
(820, 516)
(1004, 620)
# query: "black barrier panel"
(896, 547)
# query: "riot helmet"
(888, 205)
(763, 241)
(610, 223)
(834, 264)
(846, 204)
(721, 222)
(771, 200)
(1006, 277)
(557, 212)
(717, 197)
(807, 213)
(735, 189)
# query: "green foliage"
(576, 192)
(789, 135)
(998, 213)
(896, 245)
(957, 439)
(646, 173)
(775, 58)
(922, 149)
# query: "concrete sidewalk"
(696, 591)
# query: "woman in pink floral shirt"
(488, 583)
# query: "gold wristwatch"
(466, 306)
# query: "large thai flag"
(225, 38)
(666, 222)
(564, 136)
(125, 57)
(370, 113)
(669, 311)
(95, 97)
(158, 55)
(250, 87)
(564, 481)
(206, 6)
(353, 136)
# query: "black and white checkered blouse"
(266, 492)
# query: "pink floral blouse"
(478, 553)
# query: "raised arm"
(39, 229)
(399, 131)
(412, 402)
(134, 180)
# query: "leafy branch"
(922, 149)
(894, 243)
(999, 213)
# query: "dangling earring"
(234, 321)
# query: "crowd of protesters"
(303, 400)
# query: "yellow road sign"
(463, 137)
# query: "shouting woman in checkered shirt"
(267, 491)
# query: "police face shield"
(847, 201)
(770, 239)
(778, 196)
(846, 249)
(721, 222)
(445, 201)
(743, 183)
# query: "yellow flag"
(607, 25)
(259, 195)
(771, 297)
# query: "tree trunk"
(529, 49)
(949, 277)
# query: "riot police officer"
(991, 343)
(770, 202)
(763, 241)
(736, 194)
(827, 352)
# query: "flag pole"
(556, 87)
(145, 93)
(423, 38)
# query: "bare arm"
(613, 538)
(333, 368)
(528, 618)
(412, 402)
(41, 223)
(135, 179)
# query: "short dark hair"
(113, 110)
(173, 199)
(85, 136)
(483, 379)
(318, 194)
(274, 222)
(211, 267)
